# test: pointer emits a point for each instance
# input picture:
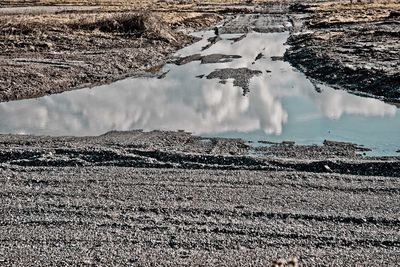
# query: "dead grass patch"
(128, 23)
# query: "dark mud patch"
(277, 58)
(258, 57)
(212, 40)
(299, 8)
(241, 77)
(208, 59)
(329, 149)
(238, 39)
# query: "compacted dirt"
(170, 198)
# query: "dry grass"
(119, 23)
(363, 5)
(332, 12)
(119, 2)
(127, 23)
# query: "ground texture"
(163, 198)
(139, 198)
(351, 46)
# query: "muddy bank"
(354, 47)
(50, 53)
(158, 149)
(192, 201)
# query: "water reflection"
(282, 102)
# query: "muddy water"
(282, 103)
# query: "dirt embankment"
(351, 46)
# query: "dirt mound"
(144, 24)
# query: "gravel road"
(233, 210)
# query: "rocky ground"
(351, 46)
(170, 198)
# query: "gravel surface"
(168, 198)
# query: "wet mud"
(356, 50)
(207, 59)
(241, 76)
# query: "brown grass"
(332, 12)
(118, 2)
(118, 23)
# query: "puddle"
(281, 103)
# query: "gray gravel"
(230, 210)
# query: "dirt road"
(84, 201)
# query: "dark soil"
(207, 59)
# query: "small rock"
(292, 262)
(259, 56)
(279, 263)
(327, 168)
(276, 58)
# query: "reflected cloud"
(335, 103)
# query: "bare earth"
(171, 198)
(138, 198)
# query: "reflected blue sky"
(281, 105)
